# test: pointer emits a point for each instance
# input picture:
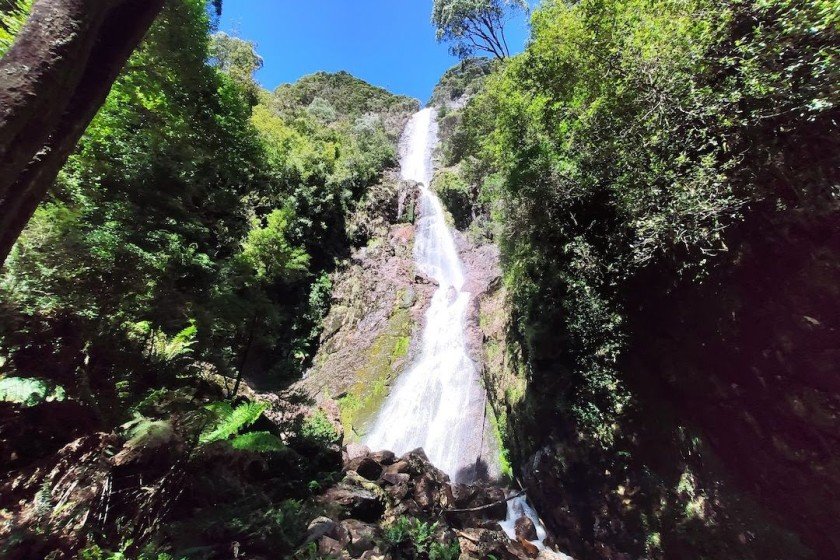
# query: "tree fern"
(230, 421)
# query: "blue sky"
(389, 43)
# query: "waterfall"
(438, 403)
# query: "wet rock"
(369, 469)
(530, 549)
(525, 529)
(462, 494)
(398, 492)
(484, 543)
(395, 479)
(426, 491)
(495, 498)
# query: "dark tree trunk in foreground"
(52, 82)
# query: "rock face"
(410, 508)
(377, 303)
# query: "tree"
(56, 75)
(238, 58)
(475, 25)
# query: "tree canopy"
(475, 26)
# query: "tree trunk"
(52, 82)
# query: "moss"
(499, 427)
(373, 380)
(401, 347)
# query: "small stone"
(525, 529)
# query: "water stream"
(438, 403)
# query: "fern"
(29, 391)
(259, 442)
(231, 421)
(145, 432)
(440, 551)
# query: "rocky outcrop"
(403, 507)
(377, 304)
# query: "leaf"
(231, 422)
(257, 441)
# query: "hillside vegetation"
(181, 259)
(662, 180)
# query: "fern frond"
(259, 442)
(230, 424)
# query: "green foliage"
(456, 197)
(29, 391)
(146, 432)
(629, 135)
(318, 428)
(229, 421)
(238, 58)
(268, 251)
(94, 552)
(445, 551)
(258, 442)
(462, 80)
(193, 194)
(475, 25)
(419, 539)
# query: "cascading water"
(438, 403)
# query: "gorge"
(582, 302)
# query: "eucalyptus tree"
(475, 26)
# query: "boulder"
(369, 469)
(484, 543)
(426, 492)
(384, 457)
(324, 526)
(462, 495)
(395, 479)
(400, 466)
(530, 549)
(329, 547)
(358, 502)
(356, 450)
(525, 529)
(362, 537)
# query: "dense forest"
(661, 179)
